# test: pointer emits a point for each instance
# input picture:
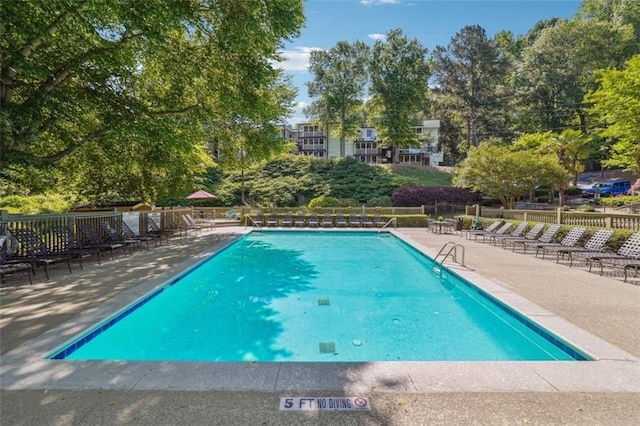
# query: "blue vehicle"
(608, 188)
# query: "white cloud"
(296, 60)
(376, 2)
(377, 36)
(298, 116)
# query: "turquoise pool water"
(317, 297)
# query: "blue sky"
(433, 22)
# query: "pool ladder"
(254, 223)
(393, 221)
(452, 251)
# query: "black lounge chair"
(340, 220)
(327, 220)
(354, 221)
(287, 220)
(189, 224)
(153, 229)
(9, 266)
(377, 220)
(365, 221)
(273, 219)
(128, 233)
(259, 220)
(313, 220)
(300, 220)
(114, 236)
(171, 227)
(95, 240)
(37, 251)
(66, 238)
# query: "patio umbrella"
(200, 195)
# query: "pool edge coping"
(613, 369)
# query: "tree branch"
(61, 75)
(70, 150)
(11, 70)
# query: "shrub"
(347, 202)
(36, 204)
(324, 201)
(620, 201)
(416, 196)
(573, 190)
(586, 208)
(382, 201)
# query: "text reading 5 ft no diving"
(317, 403)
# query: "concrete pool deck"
(599, 313)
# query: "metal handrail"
(253, 222)
(392, 220)
(453, 248)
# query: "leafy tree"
(572, 147)
(339, 78)
(470, 78)
(619, 12)
(508, 175)
(119, 95)
(617, 105)
(399, 80)
(551, 96)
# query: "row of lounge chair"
(29, 248)
(327, 221)
(594, 251)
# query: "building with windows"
(312, 140)
(317, 141)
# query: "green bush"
(324, 201)
(586, 208)
(573, 191)
(36, 204)
(382, 201)
(408, 221)
(620, 201)
(347, 202)
(618, 239)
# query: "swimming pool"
(317, 296)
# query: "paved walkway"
(603, 306)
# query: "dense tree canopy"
(340, 75)
(119, 97)
(399, 82)
(508, 175)
(469, 76)
(617, 103)
(557, 70)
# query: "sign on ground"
(319, 403)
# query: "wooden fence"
(44, 225)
